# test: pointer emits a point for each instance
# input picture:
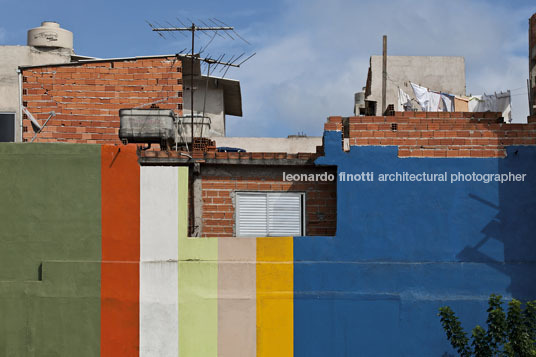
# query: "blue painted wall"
(403, 249)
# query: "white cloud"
(314, 57)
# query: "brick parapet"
(86, 97)
(420, 134)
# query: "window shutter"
(271, 214)
(285, 214)
(251, 214)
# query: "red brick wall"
(87, 97)
(218, 208)
(438, 134)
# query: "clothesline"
(398, 85)
(405, 84)
(432, 101)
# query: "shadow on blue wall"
(513, 226)
(403, 249)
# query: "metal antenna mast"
(192, 30)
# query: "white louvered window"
(269, 214)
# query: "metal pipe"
(52, 114)
(167, 29)
(531, 105)
(384, 76)
(192, 86)
(205, 101)
(20, 105)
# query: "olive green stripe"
(50, 250)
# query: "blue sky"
(312, 56)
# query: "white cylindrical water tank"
(49, 34)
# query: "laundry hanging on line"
(435, 99)
(461, 104)
(404, 101)
(497, 102)
(432, 101)
(448, 102)
(422, 95)
(428, 100)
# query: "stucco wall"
(207, 96)
(120, 276)
(439, 73)
(69, 250)
(50, 250)
(292, 145)
(403, 249)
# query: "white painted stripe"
(159, 314)
(159, 323)
(159, 213)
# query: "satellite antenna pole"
(193, 29)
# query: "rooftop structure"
(72, 86)
(47, 44)
(170, 243)
(439, 73)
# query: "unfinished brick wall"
(87, 96)
(420, 134)
(218, 201)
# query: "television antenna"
(217, 28)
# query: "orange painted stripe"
(120, 220)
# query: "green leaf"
(454, 331)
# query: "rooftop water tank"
(359, 102)
(147, 126)
(49, 34)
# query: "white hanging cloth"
(504, 105)
(422, 95)
(448, 102)
(501, 103)
(476, 104)
(433, 105)
(404, 101)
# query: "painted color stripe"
(158, 262)
(51, 230)
(237, 297)
(275, 285)
(120, 202)
(198, 284)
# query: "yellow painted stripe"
(275, 294)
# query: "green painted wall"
(198, 285)
(50, 218)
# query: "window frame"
(303, 213)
